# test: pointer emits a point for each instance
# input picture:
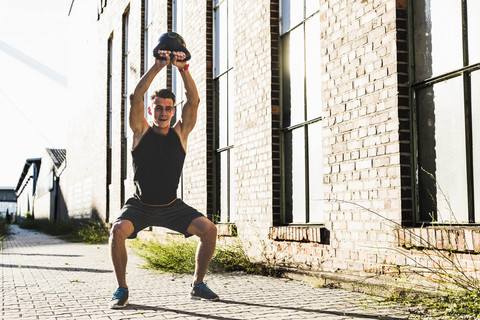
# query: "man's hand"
(179, 55)
(166, 58)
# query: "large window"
(178, 88)
(446, 71)
(223, 74)
(124, 111)
(302, 112)
(148, 46)
(109, 133)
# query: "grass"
(447, 305)
(87, 231)
(177, 255)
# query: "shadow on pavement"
(320, 311)
(188, 313)
(41, 254)
(56, 268)
(208, 316)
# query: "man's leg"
(207, 232)
(118, 252)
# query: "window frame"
(415, 86)
(287, 217)
(220, 150)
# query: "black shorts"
(176, 216)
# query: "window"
(223, 75)
(301, 112)
(124, 111)
(109, 128)
(147, 46)
(446, 68)
(178, 88)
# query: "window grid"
(224, 112)
(124, 112)
(428, 191)
(109, 128)
(297, 188)
(178, 88)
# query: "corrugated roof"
(57, 155)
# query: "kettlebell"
(171, 41)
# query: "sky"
(33, 82)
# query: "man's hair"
(165, 94)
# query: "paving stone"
(44, 277)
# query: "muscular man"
(158, 153)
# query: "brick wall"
(366, 133)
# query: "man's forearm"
(191, 92)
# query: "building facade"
(331, 135)
(26, 188)
(49, 198)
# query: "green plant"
(88, 231)
(178, 256)
(460, 290)
(3, 228)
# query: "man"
(158, 153)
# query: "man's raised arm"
(137, 120)
(189, 110)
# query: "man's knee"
(210, 229)
(121, 230)
(203, 228)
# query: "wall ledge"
(318, 234)
(449, 238)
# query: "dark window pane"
(442, 152)
(437, 37)
(313, 71)
(224, 186)
(315, 178)
(295, 175)
(223, 111)
(476, 141)
(230, 111)
(295, 80)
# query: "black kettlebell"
(171, 41)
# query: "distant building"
(26, 187)
(8, 202)
(49, 199)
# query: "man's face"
(163, 112)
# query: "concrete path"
(44, 277)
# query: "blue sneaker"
(201, 291)
(119, 299)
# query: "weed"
(460, 290)
(178, 256)
(87, 231)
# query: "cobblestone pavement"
(44, 277)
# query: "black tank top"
(157, 165)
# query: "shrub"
(178, 256)
(3, 228)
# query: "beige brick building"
(318, 124)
